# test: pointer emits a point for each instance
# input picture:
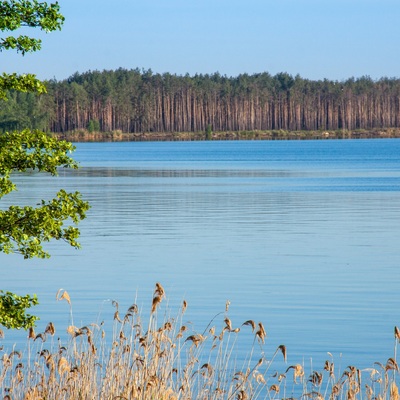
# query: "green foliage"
(30, 13)
(93, 126)
(209, 132)
(21, 43)
(138, 101)
(20, 151)
(13, 310)
(23, 230)
(22, 83)
(14, 15)
(23, 110)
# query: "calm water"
(303, 236)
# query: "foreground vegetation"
(24, 230)
(167, 359)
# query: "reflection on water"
(304, 239)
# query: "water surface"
(302, 236)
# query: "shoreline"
(119, 136)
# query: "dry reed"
(168, 361)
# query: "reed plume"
(171, 360)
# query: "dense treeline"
(142, 101)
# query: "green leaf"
(15, 14)
(13, 310)
(24, 229)
(21, 83)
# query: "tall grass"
(165, 359)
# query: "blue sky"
(334, 39)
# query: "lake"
(301, 235)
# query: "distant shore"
(118, 136)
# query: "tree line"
(135, 101)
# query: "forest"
(134, 101)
